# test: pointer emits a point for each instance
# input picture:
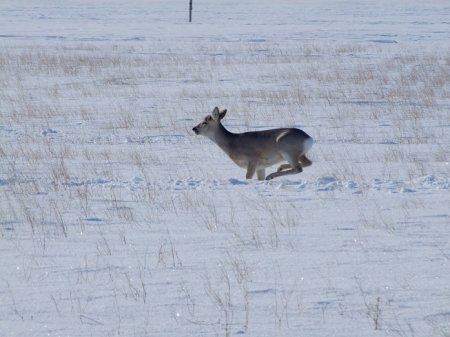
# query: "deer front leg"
(261, 174)
(251, 168)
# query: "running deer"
(257, 150)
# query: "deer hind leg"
(304, 161)
(295, 170)
(283, 167)
(293, 167)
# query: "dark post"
(190, 10)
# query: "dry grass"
(96, 152)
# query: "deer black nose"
(195, 130)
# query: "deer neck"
(223, 138)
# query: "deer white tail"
(307, 144)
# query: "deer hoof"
(270, 176)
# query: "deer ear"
(222, 113)
(216, 114)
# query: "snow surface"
(116, 220)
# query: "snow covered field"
(115, 219)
